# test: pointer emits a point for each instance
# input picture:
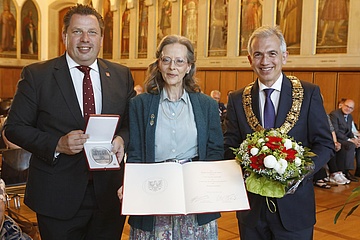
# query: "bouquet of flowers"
(274, 163)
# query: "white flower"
(287, 144)
(264, 148)
(270, 161)
(254, 151)
(281, 166)
(261, 140)
(297, 161)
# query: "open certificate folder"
(194, 187)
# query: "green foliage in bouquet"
(274, 163)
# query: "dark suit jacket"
(342, 128)
(45, 107)
(297, 211)
(144, 110)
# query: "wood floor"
(328, 202)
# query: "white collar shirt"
(77, 80)
(275, 96)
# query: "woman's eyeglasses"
(177, 61)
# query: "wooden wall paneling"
(2, 74)
(327, 81)
(244, 78)
(139, 76)
(15, 77)
(288, 73)
(305, 76)
(228, 82)
(212, 81)
(200, 76)
(9, 80)
(349, 87)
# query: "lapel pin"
(152, 117)
(107, 74)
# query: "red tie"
(88, 94)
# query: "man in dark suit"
(342, 120)
(46, 118)
(292, 216)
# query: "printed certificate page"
(153, 188)
(194, 187)
(216, 186)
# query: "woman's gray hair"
(154, 81)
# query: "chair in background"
(5, 106)
(14, 172)
(15, 166)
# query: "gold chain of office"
(292, 116)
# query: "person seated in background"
(356, 133)
(341, 102)
(216, 95)
(357, 151)
(342, 120)
(138, 89)
(336, 176)
(9, 228)
(227, 97)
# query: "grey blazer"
(342, 128)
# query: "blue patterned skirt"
(177, 227)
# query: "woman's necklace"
(171, 111)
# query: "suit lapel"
(106, 86)
(285, 102)
(255, 100)
(200, 123)
(63, 79)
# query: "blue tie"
(269, 110)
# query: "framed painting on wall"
(218, 26)
(29, 31)
(143, 29)
(332, 26)
(125, 32)
(8, 29)
(289, 18)
(164, 16)
(251, 19)
(190, 20)
(108, 31)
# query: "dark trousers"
(345, 156)
(321, 174)
(357, 157)
(90, 223)
(269, 227)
